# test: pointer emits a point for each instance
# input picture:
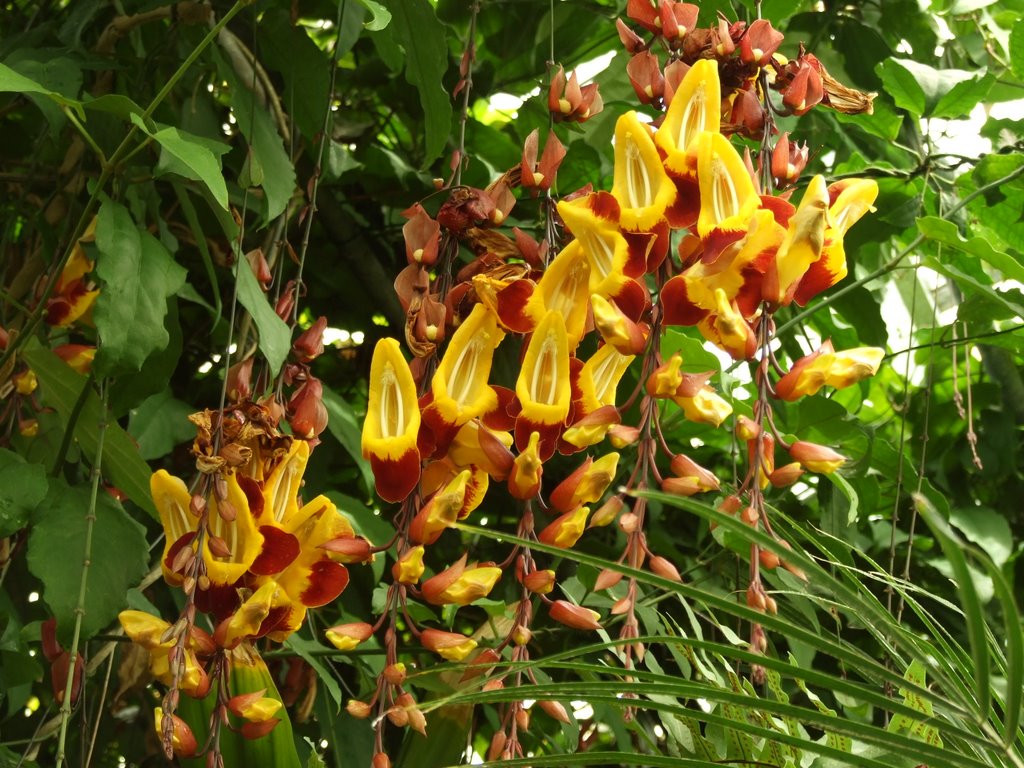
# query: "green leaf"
(416, 28)
(195, 158)
(60, 387)
(964, 96)
(14, 82)
(309, 651)
(925, 91)
(986, 528)
(160, 423)
(952, 547)
(380, 16)
(346, 429)
(139, 275)
(56, 555)
(275, 336)
(22, 487)
(267, 163)
(1017, 50)
(947, 233)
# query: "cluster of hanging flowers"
(688, 235)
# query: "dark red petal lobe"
(684, 211)
(549, 434)
(718, 241)
(632, 299)
(276, 618)
(279, 549)
(253, 494)
(815, 280)
(501, 418)
(441, 433)
(327, 580)
(605, 206)
(512, 305)
(220, 599)
(396, 479)
(676, 304)
(781, 209)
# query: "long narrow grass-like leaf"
(952, 548)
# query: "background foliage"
(901, 649)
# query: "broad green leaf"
(194, 156)
(986, 528)
(60, 387)
(380, 16)
(114, 104)
(160, 423)
(22, 487)
(415, 27)
(947, 233)
(14, 82)
(138, 275)
(1017, 50)
(347, 430)
(267, 162)
(929, 92)
(275, 336)
(56, 555)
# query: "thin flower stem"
(90, 523)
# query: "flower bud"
(345, 637)
(183, 742)
(607, 579)
(409, 567)
(747, 429)
(664, 568)
(360, 710)
(394, 673)
(521, 635)
(449, 645)
(539, 582)
(816, 458)
(310, 344)
(786, 475)
(575, 616)
(629, 523)
(381, 760)
(554, 710)
(607, 512)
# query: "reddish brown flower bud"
(788, 161)
(816, 458)
(540, 582)
(260, 268)
(422, 236)
(759, 43)
(308, 414)
(645, 75)
(575, 616)
(358, 709)
(631, 41)
(381, 760)
(51, 647)
(607, 579)
(786, 475)
(310, 344)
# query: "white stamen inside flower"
(724, 200)
(460, 382)
(601, 253)
(694, 118)
(545, 373)
(562, 296)
(392, 409)
(638, 183)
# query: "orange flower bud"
(310, 344)
(394, 673)
(705, 407)
(554, 709)
(566, 530)
(409, 567)
(183, 742)
(381, 760)
(816, 458)
(539, 582)
(629, 523)
(622, 435)
(664, 568)
(786, 475)
(607, 578)
(459, 585)
(587, 484)
(254, 707)
(747, 429)
(575, 616)
(345, 637)
(448, 645)
(360, 710)
(607, 512)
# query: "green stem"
(70, 115)
(69, 430)
(107, 173)
(894, 262)
(90, 522)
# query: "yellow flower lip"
(640, 184)
(728, 197)
(392, 423)
(460, 384)
(602, 243)
(804, 239)
(695, 108)
(543, 385)
(563, 290)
